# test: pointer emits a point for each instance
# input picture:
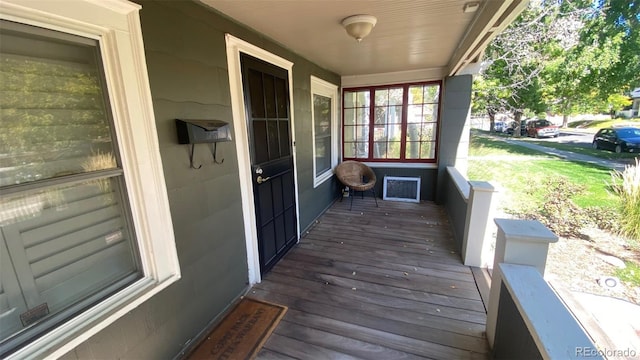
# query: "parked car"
(499, 126)
(618, 139)
(542, 128)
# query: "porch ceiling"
(409, 35)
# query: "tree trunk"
(492, 119)
(565, 115)
(517, 116)
(565, 120)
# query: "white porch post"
(522, 242)
(475, 243)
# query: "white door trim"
(234, 47)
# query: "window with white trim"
(76, 238)
(391, 123)
(325, 140)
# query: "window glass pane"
(363, 98)
(71, 244)
(362, 150)
(382, 97)
(386, 150)
(381, 115)
(270, 95)
(421, 150)
(349, 133)
(388, 132)
(281, 98)
(322, 127)
(322, 115)
(349, 116)
(414, 114)
(285, 144)
(68, 243)
(349, 149)
(380, 150)
(416, 94)
(430, 112)
(356, 99)
(428, 131)
(395, 96)
(54, 121)
(323, 155)
(393, 150)
(431, 93)
(362, 133)
(362, 116)
(413, 150)
(257, 94)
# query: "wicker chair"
(358, 177)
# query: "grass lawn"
(521, 172)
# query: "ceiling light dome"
(359, 26)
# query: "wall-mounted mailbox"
(202, 131)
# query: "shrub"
(558, 212)
(604, 218)
(626, 184)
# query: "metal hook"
(191, 157)
(214, 150)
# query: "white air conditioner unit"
(400, 188)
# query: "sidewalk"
(568, 155)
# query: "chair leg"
(375, 197)
(351, 195)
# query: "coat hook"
(214, 150)
(191, 157)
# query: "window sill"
(66, 337)
(400, 165)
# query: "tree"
(614, 31)
(517, 57)
(564, 56)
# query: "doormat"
(242, 332)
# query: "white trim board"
(235, 46)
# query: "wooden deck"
(375, 283)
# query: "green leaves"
(565, 57)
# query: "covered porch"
(383, 283)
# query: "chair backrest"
(351, 173)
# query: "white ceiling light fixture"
(359, 26)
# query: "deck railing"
(525, 318)
(470, 207)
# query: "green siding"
(186, 60)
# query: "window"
(325, 144)
(396, 123)
(78, 236)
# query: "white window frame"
(326, 89)
(116, 25)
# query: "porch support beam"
(492, 17)
(453, 141)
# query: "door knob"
(260, 179)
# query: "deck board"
(375, 283)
